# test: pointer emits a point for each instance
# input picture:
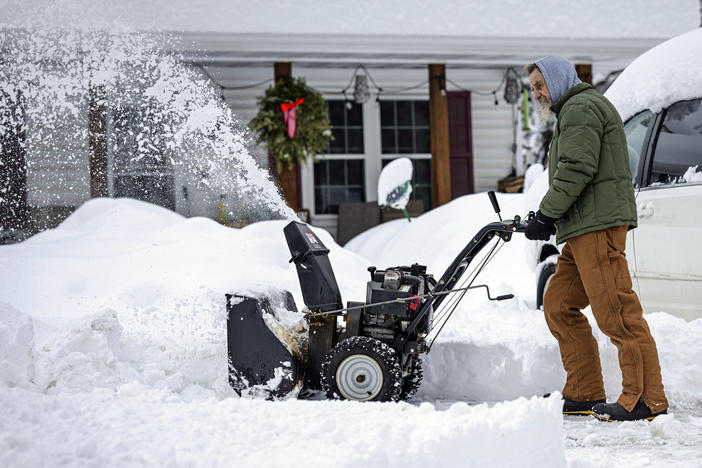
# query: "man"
(590, 206)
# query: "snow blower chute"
(376, 355)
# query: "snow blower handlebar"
(502, 229)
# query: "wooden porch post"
(439, 134)
(289, 177)
(584, 71)
(14, 209)
(97, 130)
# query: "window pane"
(424, 194)
(336, 113)
(422, 171)
(387, 113)
(421, 139)
(679, 146)
(404, 141)
(354, 116)
(421, 113)
(320, 200)
(355, 141)
(346, 183)
(338, 144)
(635, 130)
(388, 141)
(354, 172)
(336, 195)
(404, 113)
(347, 122)
(337, 172)
(320, 173)
(354, 195)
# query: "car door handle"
(644, 210)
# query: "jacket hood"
(559, 74)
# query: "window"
(421, 181)
(337, 181)
(635, 130)
(404, 127)
(678, 153)
(141, 168)
(347, 127)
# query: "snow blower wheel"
(361, 368)
(412, 381)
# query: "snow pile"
(113, 351)
(124, 290)
(136, 426)
(668, 73)
(692, 175)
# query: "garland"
(311, 129)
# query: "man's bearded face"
(543, 111)
(542, 96)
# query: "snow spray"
(163, 117)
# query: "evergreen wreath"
(313, 127)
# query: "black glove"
(540, 228)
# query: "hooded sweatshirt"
(559, 74)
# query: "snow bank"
(668, 73)
(135, 426)
(113, 352)
(124, 290)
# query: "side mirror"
(395, 185)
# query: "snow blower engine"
(375, 353)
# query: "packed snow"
(113, 352)
(668, 73)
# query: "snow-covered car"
(659, 97)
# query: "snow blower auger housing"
(376, 355)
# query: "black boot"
(581, 408)
(616, 412)
(578, 408)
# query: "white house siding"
(492, 125)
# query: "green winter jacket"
(590, 185)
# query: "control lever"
(504, 297)
(495, 205)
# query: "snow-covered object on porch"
(670, 72)
(395, 184)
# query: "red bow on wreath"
(288, 109)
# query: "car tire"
(545, 273)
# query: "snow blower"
(376, 353)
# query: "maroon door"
(460, 143)
(14, 212)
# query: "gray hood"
(559, 74)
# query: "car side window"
(677, 157)
(635, 129)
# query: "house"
(412, 56)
